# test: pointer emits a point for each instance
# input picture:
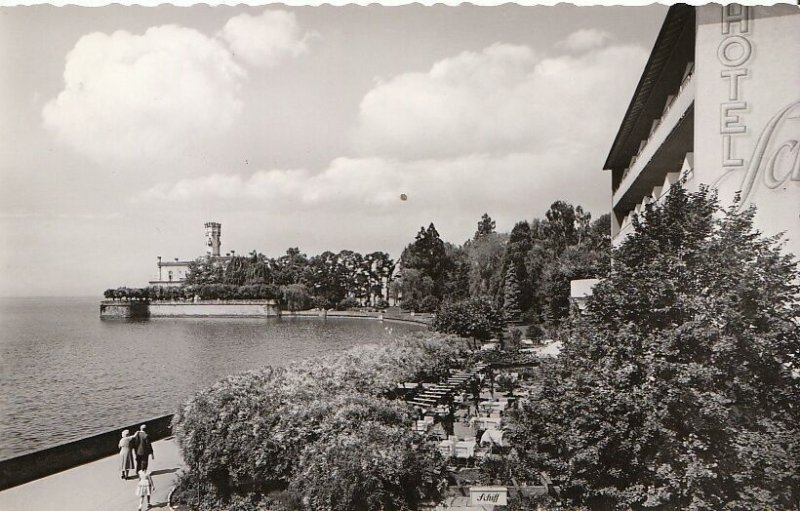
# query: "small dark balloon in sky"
(403, 196)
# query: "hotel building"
(718, 103)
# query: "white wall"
(756, 148)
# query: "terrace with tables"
(464, 419)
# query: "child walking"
(145, 488)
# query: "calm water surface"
(65, 374)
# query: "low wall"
(214, 309)
(209, 309)
(123, 310)
(424, 320)
(35, 465)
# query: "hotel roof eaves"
(674, 47)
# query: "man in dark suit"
(143, 448)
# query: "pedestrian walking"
(125, 454)
(142, 448)
(145, 488)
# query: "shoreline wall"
(207, 309)
(46, 462)
(263, 309)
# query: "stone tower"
(213, 233)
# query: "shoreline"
(422, 320)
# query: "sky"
(125, 129)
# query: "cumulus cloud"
(584, 39)
(500, 129)
(374, 185)
(151, 97)
(265, 40)
(129, 96)
(501, 100)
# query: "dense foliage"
(532, 266)
(329, 278)
(256, 433)
(678, 387)
(190, 292)
(476, 318)
(371, 466)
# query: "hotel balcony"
(656, 195)
(662, 152)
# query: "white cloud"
(515, 184)
(502, 100)
(502, 130)
(147, 99)
(265, 40)
(133, 97)
(584, 39)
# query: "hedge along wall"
(35, 465)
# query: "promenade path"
(96, 486)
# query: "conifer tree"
(511, 296)
(485, 227)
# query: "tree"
(560, 227)
(428, 255)
(520, 243)
(236, 271)
(379, 267)
(677, 388)
(511, 298)
(325, 275)
(289, 268)
(415, 285)
(295, 296)
(203, 271)
(485, 265)
(476, 318)
(485, 227)
(456, 286)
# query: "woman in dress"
(125, 454)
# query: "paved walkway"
(96, 486)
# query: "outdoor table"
(447, 447)
(465, 449)
(493, 406)
(485, 422)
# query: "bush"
(535, 332)
(348, 303)
(474, 318)
(409, 304)
(332, 474)
(320, 302)
(225, 433)
(261, 431)
(428, 304)
(381, 304)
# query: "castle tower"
(213, 233)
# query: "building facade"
(174, 273)
(718, 103)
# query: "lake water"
(65, 374)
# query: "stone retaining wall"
(213, 309)
(209, 309)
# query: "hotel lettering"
(733, 53)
